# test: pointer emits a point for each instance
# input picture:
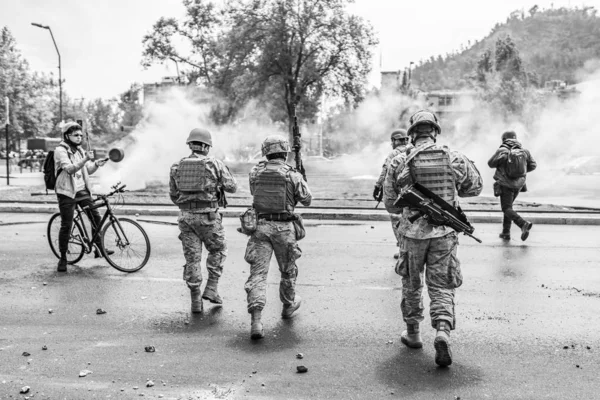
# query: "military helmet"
(65, 128)
(398, 134)
(200, 135)
(275, 144)
(423, 117)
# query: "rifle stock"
(435, 209)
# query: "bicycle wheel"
(75, 249)
(129, 242)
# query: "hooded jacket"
(69, 162)
(499, 159)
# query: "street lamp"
(410, 73)
(59, 68)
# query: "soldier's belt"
(198, 204)
(283, 217)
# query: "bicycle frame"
(108, 215)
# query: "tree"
(283, 52)
(32, 97)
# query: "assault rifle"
(433, 208)
(297, 146)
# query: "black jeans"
(67, 211)
(507, 198)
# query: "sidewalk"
(310, 213)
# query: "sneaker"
(525, 230)
(289, 309)
(62, 265)
(505, 236)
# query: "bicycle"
(131, 249)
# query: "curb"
(322, 214)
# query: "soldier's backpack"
(516, 163)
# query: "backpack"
(49, 175)
(516, 163)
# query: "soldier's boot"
(411, 337)
(289, 309)
(197, 306)
(525, 230)
(256, 328)
(505, 234)
(443, 354)
(62, 263)
(210, 292)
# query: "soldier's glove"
(378, 193)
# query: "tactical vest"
(431, 168)
(193, 176)
(273, 189)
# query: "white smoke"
(159, 140)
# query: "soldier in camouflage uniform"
(196, 186)
(276, 188)
(400, 144)
(448, 174)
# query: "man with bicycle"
(72, 166)
(196, 186)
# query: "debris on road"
(44, 347)
(50, 311)
(100, 311)
(44, 283)
(84, 372)
(25, 389)
(149, 384)
(299, 356)
(149, 349)
(26, 354)
(301, 369)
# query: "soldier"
(276, 188)
(509, 182)
(400, 145)
(196, 185)
(446, 173)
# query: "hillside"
(553, 44)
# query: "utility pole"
(6, 100)
(60, 113)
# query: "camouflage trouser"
(398, 222)
(442, 276)
(195, 230)
(272, 237)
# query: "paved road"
(519, 306)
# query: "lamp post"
(59, 68)
(410, 73)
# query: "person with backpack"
(512, 163)
(400, 144)
(428, 256)
(72, 167)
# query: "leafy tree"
(32, 97)
(286, 54)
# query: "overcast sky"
(100, 41)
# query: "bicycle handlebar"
(117, 189)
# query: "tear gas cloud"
(564, 133)
(159, 140)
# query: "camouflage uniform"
(199, 220)
(275, 237)
(389, 196)
(434, 246)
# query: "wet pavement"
(527, 319)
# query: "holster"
(299, 227)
